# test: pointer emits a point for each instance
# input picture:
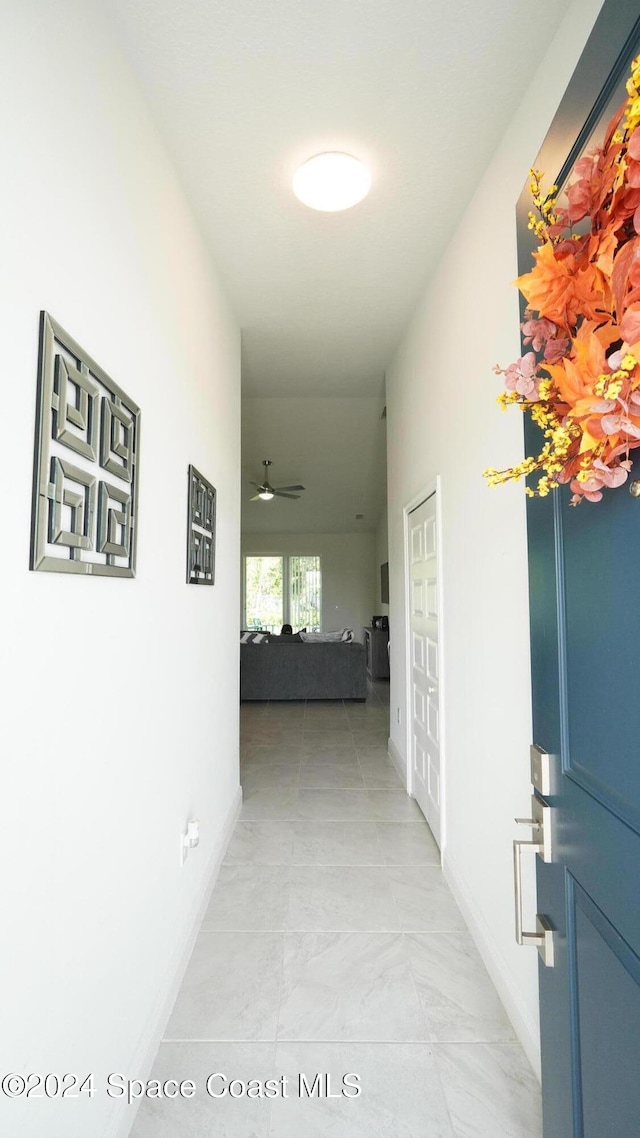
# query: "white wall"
(348, 577)
(442, 420)
(120, 696)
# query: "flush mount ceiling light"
(331, 182)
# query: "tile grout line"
(430, 1031)
(429, 1043)
(337, 932)
(280, 1001)
(334, 864)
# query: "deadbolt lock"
(541, 769)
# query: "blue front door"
(586, 662)
(585, 624)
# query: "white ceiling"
(243, 91)
(334, 447)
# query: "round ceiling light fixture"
(266, 495)
(331, 182)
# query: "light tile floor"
(332, 945)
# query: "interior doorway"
(423, 652)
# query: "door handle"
(540, 824)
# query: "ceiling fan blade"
(290, 487)
(255, 498)
(252, 483)
(281, 494)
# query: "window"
(305, 593)
(282, 590)
(263, 593)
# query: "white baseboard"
(397, 760)
(494, 962)
(151, 1037)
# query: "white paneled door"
(424, 665)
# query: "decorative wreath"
(580, 380)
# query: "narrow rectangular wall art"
(201, 530)
(85, 484)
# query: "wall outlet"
(190, 840)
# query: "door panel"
(585, 643)
(418, 651)
(432, 720)
(417, 595)
(600, 631)
(608, 1005)
(432, 660)
(433, 779)
(417, 553)
(425, 744)
(420, 762)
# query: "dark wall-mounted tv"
(384, 583)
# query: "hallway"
(332, 945)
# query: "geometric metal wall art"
(85, 483)
(201, 530)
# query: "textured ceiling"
(243, 91)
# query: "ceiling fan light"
(331, 182)
(266, 495)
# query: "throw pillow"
(254, 638)
(327, 637)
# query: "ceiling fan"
(266, 491)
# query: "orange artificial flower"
(561, 291)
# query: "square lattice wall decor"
(201, 530)
(85, 486)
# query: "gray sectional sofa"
(281, 670)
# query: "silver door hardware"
(541, 844)
(546, 945)
(541, 769)
(540, 822)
